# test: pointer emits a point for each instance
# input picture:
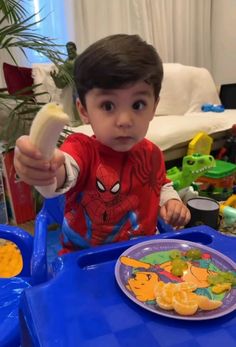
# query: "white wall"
(224, 41)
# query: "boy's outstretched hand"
(31, 167)
(175, 213)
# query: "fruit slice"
(207, 304)
(185, 303)
(186, 286)
(168, 292)
(163, 299)
(46, 128)
(44, 133)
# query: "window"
(50, 15)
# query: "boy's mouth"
(124, 139)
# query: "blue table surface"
(82, 305)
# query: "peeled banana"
(44, 133)
(46, 128)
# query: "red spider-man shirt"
(116, 196)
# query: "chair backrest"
(51, 212)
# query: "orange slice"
(162, 303)
(206, 304)
(163, 295)
(168, 292)
(186, 286)
(185, 303)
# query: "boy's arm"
(66, 177)
(173, 210)
(168, 193)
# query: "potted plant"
(17, 30)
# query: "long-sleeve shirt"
(111, 196)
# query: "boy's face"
(119, 117)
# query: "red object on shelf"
(20, 194)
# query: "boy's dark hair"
(116, 61)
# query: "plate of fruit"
(178, 279)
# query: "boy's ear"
(82, 112)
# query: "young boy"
(115, 181)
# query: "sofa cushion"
(169, 131)
(185, 89)
(17, 78)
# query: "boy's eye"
(139, 105)
(107, 106)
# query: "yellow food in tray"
(11, 262)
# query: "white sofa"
(179, 117)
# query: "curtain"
(179, 29)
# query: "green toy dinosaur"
(193, 166)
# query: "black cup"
(204, 211)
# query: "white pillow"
(203, 89)
(175, 91)
(185, 89)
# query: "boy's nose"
(124, 119)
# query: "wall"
(224, 41)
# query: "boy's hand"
(175, 213)
(30, 165)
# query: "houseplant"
(17, 30)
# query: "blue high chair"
(34, 271)
(35, 265)
(11, 288)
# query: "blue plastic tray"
(83, 306)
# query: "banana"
(46, 128)
(44, 133)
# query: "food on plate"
(178, 267)
(222, 277)
(193, 254)
(181, 298)
(186, 281)
(221, 288)
(222, 281)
